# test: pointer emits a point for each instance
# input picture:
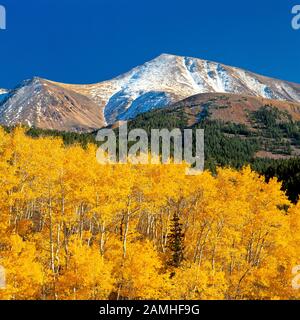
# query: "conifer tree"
(175, 242)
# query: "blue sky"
(86, 41)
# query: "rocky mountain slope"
(238, 128)
(41, 103)
(233, 108)
(156, 84)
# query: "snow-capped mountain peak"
(158, 83)
(168, 78)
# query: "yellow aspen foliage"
(71, 228)
(86, 276)
(24, 277)
(137, 276)
(194, 283)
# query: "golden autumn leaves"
(73, 229)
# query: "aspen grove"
(71, 228)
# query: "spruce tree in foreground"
(175, 242)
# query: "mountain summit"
(158, 83)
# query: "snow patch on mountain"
(194, 75)
(144, 103)
(20, 99)
(256, 86)
(116, 105)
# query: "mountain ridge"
(158, 83)
(38, 102)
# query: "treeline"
(287, 171)
(226, 144)
(68, 138)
